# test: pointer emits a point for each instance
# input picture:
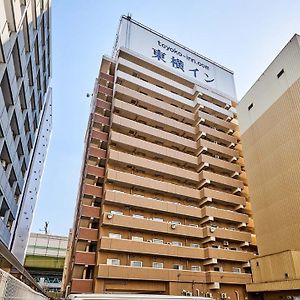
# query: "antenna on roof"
(46, 231)
(129, 15)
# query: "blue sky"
(244, 36)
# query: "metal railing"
(11, 288)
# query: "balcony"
(219, 180)
(177, 209)
(98, 135)
(216, 149)
(129, 246)
(206, 161)
(95, 171)
(88, 234)
(103, 104)
(136, 83)
(152, 184)
(85, 258)
(228, 277)
(132, 143)
(213, 121)
(216, 135)
(127, 125)
(150, 274)
(97, 118)
(210, 195)
(96, 152)
(152, 103)
(81, 285)
(134, 112)
(92, 190)
(152, 165)
(105, 90)
(214, 110)
(90, 211)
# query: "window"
(138, 216)
(196, 268)
(178, 267)
(116, 212)
(236, 270)
(158, 219)
(136, 263)
(158, 241)
(113, 262)
(194, 245)
(137, 238)
(218, 269)
(280, 73)
(6, 91)
(157, 265)
(250, 106)
(114, 235)
(176, 243)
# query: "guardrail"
(11, 288)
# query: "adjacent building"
(45, 257)
(269, 117)
(25, 119)
(163, 204)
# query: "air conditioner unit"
(212, 229)
(173, 225)
(188, 293)
(223, 296)
(109, 216)
(226, 243)
(217, 156)
(149, 241)
(207, 294)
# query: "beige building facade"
(269, 117)
(163, 205)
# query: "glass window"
(137, 238)
(157, 265)
(113, 261)
(115, 235)
(136, 263)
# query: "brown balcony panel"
(92, 190)
(225, 214)
(85, 258)
(149, 225)
(219, 163)
(97, 152)
(82, 285)
(219, 196)
(154, 103)
(226, 234)
(96, 171)
(157, 134)
(157, 167)
(103, 104)
(88, 234)
(151, 148)
(105, 90)
(100, 119)
(127, 272)
(228, 277)
(172, 208)
(217, 121)
(231, 255)
(153, 118)
(218, 135)
(224, 180)
(102, 136)
(215, 148)
(90, 211)
(129, 246)
(107, 77)
(150, 248)
(152, 184)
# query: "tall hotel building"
(269, 114)
(25, 120)
(163, 202)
